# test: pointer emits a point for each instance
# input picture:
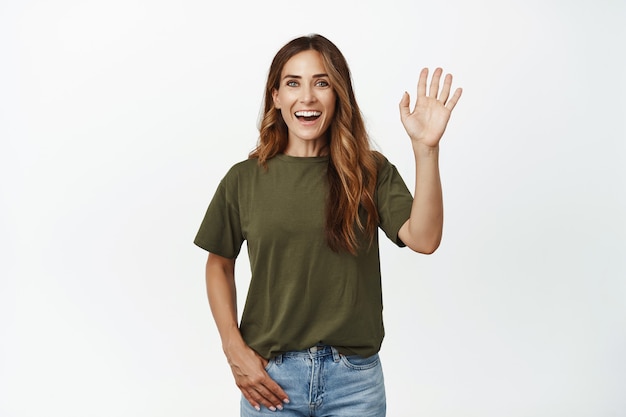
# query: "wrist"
(422, 150)
(231, 339)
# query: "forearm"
(423, 231)
(222, 295)
(247, 366)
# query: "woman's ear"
(275, 98)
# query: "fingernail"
(272, 408)
(280, 407)
(257, 408)
(286, 400)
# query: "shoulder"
(387, 174)
(380, 159)
(246, 165)
(238, 177)
(241, 169)
(384, 166)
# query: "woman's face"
(305, 97)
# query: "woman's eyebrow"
(299, 76)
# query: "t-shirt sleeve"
(394, 201)
(220, 231)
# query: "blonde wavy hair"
(352, 167)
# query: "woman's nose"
(307, 95)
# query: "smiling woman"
(306, 101)
(308, 201)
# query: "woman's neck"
(307, 148)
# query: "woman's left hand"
(429, 118)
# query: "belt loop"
(278, 359)
(336, 354)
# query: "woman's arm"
(425, 126)
(247, 366)
(422, 231)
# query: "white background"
(118, 118)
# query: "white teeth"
(308, 113)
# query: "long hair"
(352, 168)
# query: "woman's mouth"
(308, 115)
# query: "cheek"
(284, 114)
(332, 103)
(331, 108)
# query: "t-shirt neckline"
(302, 159)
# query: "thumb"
(404, 105)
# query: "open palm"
(429, 118)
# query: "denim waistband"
(317, 351)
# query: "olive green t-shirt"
(301, 292)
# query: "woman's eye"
(322, 83)
(292, 83)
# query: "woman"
(308, 201)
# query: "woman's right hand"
(256, 385)
(247, 366)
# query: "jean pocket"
(360, 363)
(269, 364)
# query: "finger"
(445, 90)
(259, 396)
(276, 391)
(269, 399)
(454, 99)
(270, 389)
(421, 83)
(434, 83)
(251, 400)
(404, 106)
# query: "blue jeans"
(321, 382)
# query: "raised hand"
(429, 118)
